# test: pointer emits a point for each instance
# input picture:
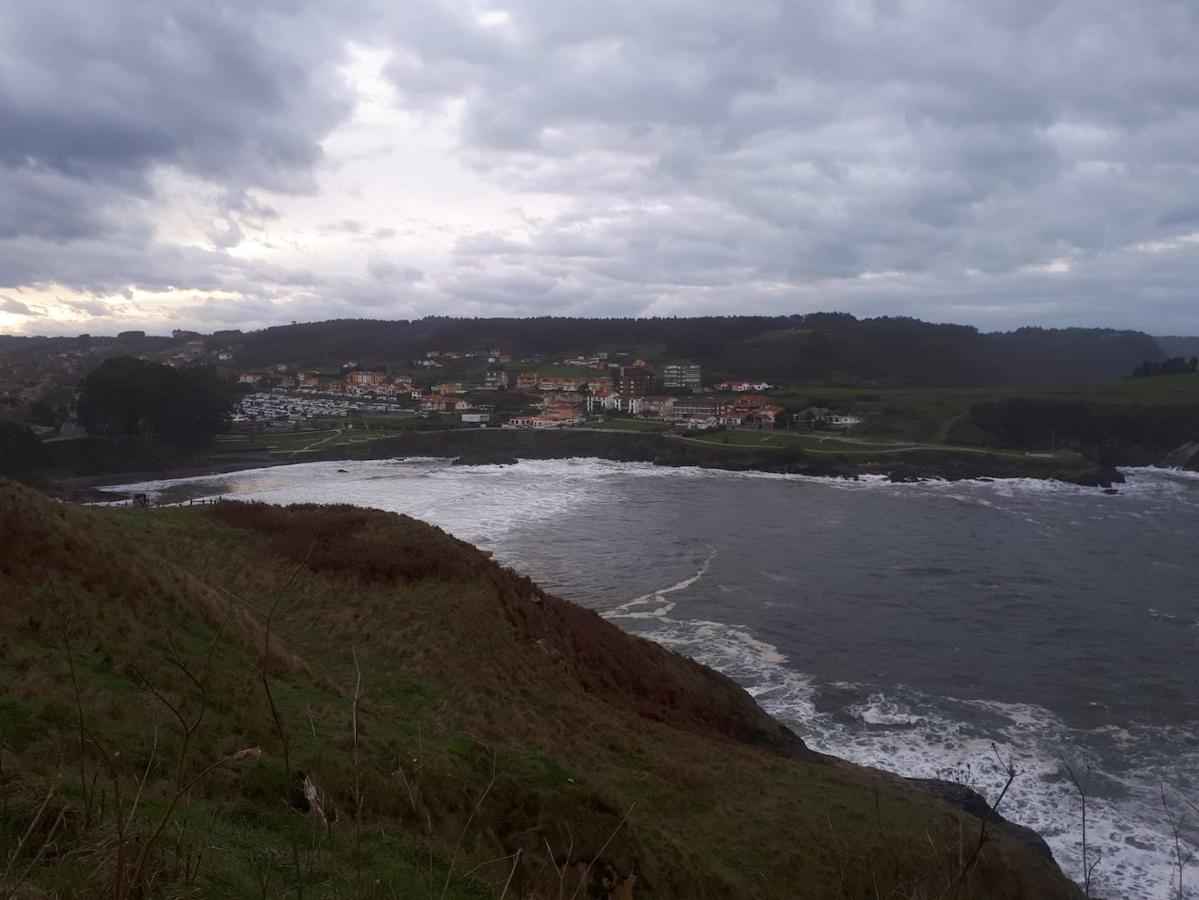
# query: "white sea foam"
(626, 609)
(469, 501)
(1145, 481)
(916, 735)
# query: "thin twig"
(1181, 859)
(450, 871)
(20, 879)
(1081, 784)
(37, 817)
(511, 874)
(141, 784)
(357, 780)
(266, 651)
(489, 862)
(170, 809)
(87, 805)
(1009, 769)
(582, 877)
(407, 786)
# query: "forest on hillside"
(835, 348)
(816, 348)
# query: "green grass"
(319, 439)
(496, 725)
(551, 370)
(628, 425)
(921, 414)
(737, 437)
(828, 445)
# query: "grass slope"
(462, 733)
(927, 414)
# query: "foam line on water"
(916, 735)
(1141, 482)
(624, 610)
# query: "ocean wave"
(916, 735)
(1144, 481)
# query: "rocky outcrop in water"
(1184, 457)
(1101, 476)
(974, 803)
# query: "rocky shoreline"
(507, 448)
(494, 447)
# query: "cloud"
(98, 96)
(488, 243)
(211, 89)
(9, 305)
(227, 235)
(998, 164)
(390, 272)
(803, 141)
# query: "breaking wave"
(917, 735)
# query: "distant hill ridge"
(834, 348)
(1179, 346)
(831, 347)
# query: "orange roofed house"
(763, 416)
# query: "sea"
(933, 629)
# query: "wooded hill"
(829, 347)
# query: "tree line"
(830, 348)
(1175, 365)
(127, 397)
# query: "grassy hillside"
(930, 414)
(249, 701)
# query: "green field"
(296, 441)
(551, 370)
(928, 414)
(628, 425)
(783, 439)
(830, 446)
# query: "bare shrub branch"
(1081, 779)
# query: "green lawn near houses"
(646, 425)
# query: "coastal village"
(441, 388)
(529, 393)
(592, 377)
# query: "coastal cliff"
(246, 700)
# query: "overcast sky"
(206, 164)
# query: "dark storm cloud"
(95, 96)
(998, 163)
(103, 90)
(800, 141)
